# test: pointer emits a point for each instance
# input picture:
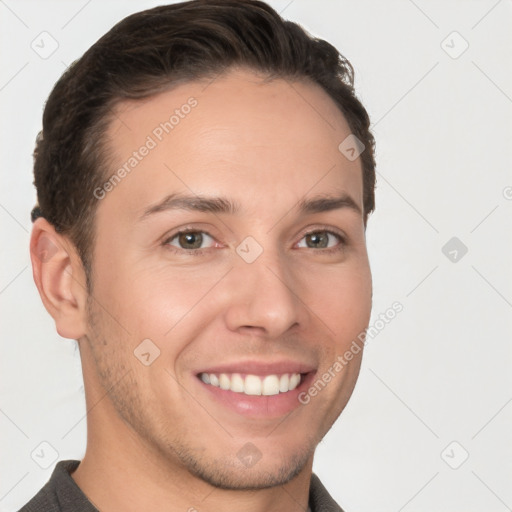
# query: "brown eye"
(318, 239)
(322, 239)
(189, 240)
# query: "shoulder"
(60, 493)
(43, 501)
(319, 499)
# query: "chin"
(249, 470)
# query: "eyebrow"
(317, 204)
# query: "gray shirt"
(62, 494)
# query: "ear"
(60, 278)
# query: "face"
(230, 274)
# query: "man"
(204, 178)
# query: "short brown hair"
(151, 51)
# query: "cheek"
(161, 303)
(342, 298)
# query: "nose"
(264, 297)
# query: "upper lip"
(261, 367)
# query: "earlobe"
(60, 278)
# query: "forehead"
(235, 132)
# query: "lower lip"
(259, 405)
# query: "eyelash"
(200, 252)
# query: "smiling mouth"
(254, 385)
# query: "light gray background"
(440, 371)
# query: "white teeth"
(283, 383)
(253, 384)
(270, 385)
(294, 380)
(237, 383)
(224, 381)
